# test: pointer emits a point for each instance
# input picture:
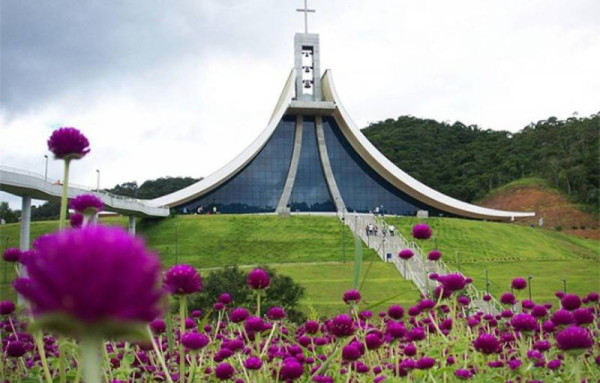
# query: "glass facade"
(362, 189)
(258, 186)
(310, 192)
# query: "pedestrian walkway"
(416, 269)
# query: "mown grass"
(507, 251)
(310, 250)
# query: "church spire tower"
(307, 62)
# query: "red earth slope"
(555, 209)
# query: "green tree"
(7, 214)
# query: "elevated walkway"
(415, 269)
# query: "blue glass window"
(310, 192)
(362, 189)
(258, 186)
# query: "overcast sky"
(180, 87)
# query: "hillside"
(557, 210)
(466, 162)
(310, 249)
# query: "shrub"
(559, 228)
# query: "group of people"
(372, 229)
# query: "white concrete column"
(25, 223)
(132, 224)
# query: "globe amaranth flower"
(434, 255)
(258, 279)
(239, 314)
(224, 371)
(583, 316)
(182, 280)
(311, 327)
(26, 256)
(570, 302)
(421, 231)
(539, 311)
(253, 363)
(342, 325)
(518, 283)
(554, 364)
(453, 281)
(76, 220)
(463, 374)
(276, 313)
(196, 313)
(574, 338)
(395, 312)
(373, 340)
(487, 344)
(593, 297)
(194, 340)
(158, 326)
(16, 349)
(508, 299)
(225, 298)
(562, 318)
(7, 307)
(351, 353)
(93, 275)
(425, 363)
(291, 369)
(352, 296)
(11, 254)
(406, 254)
(68, 143)
(86, 204)
(524, 322)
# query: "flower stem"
(64, 200)
(258, 303)
(62, 359)
(182, 310)
(160, 356)
(90, 359)
(40, 345)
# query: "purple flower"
(410, 349)
(373, 341)
(258, 279)
(196, 313)
(291, 369)
(253, 363)
(351, 353)
(7, 307)
(239, 314)
(276, 313)
(463, 300)
(574, 338)
(593, 297)
(463, 374)
(453, 281)
(539, 311)
(194, 340)
(406, 254)
(182, 280)
(524, 322)
(425, 363)
(311, 326)
(519, 283)
(554, 364)
(68, 143)
(352, 296)
(225, 298)
(11, 254)
(94, 274)
(26, 256)
(395, 312)
(562, 318)
(16, 349)
(76, 220)
(254, 324)
(416, 334)
(583, 316)
(342, 325)
(487, 344)
(514, 364)
(426, 304)
(434, 255)
(570, 302)
(487, 298)
(421, 231)
(224, 371)
(508, 299)
(441, 292)
(158, 326)
(86, 204)
(395, 329)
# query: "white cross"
(306, 11)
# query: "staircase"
(416, 269)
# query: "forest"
(466, 162)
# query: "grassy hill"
(310, 250)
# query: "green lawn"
(509, 251)
(310, 250)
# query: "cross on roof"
(306, 11)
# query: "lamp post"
(98, 180)
(46, 168)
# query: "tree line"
(466, 162)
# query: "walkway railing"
(416, 269)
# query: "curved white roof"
(399, 178)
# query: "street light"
(98, 180)
(46, 168)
